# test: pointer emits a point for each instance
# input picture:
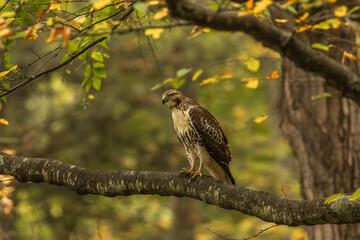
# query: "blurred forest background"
(125, 126)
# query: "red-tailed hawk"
(201, 136)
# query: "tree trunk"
(324, 133)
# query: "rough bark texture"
(324, 134)
(123, 183)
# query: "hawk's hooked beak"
(164, 99)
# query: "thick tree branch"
(285, 42)
(123, 183)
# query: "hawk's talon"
(197, 173)
(190, 171)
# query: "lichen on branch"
(123, 183)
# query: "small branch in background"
(220, 235)
(261, 231)
(291, 210)
(73, 57)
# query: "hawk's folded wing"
(212, 136)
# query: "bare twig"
(220, 235)
(291, 210)
(44, 73)
(261, 231)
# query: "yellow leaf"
(341, 11)
(280, 20)
(243, 13)
(288, 3)
(99, 4)
(2, 3)
(2, 74)
(54, 33)
(207, 81)
(40, 14)
(4, 121)
(118, 3)
(197, 74)
(331, 1)
(90, 96)
(252, 64)
(7, 14)
(350, 56)
(260, 119)
(261, 6)
(153, 2)
(303, 28)
(78, 21)
(66, 36)
(154, 32)
(54, 6)
(50, 21)
(226, 76)
(9, 151)
(30, 33)
(302, 17)
(6, 33)
(298, 234)
(251, 82)
(206, 29)
(273, 75)
(160, 14)
(249, 4)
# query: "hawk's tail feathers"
(230, 177)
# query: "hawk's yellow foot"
(190, 171)
(196, 173)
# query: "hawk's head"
(172, 98)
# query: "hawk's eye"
(171, 94)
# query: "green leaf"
(327, 24)
(87, 72)
(103, 44)
(214, 6)
(72, 46)
(252, 64)
(96, 83)
(98, 65)
(182, 72)
(25, 17)
(6, 84)
(321, 95)
(321, 46)
(355, 195)
(9, 66)
(159, 85)
(84, 10)
(97, 56)
(7, 57)
(100, 72)
(354, 9)
(66, 57)
(85, 55)
(177, 83)
(141, 7)
(87, 86)
(106, 55)
(333, 198)
(3, 98)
